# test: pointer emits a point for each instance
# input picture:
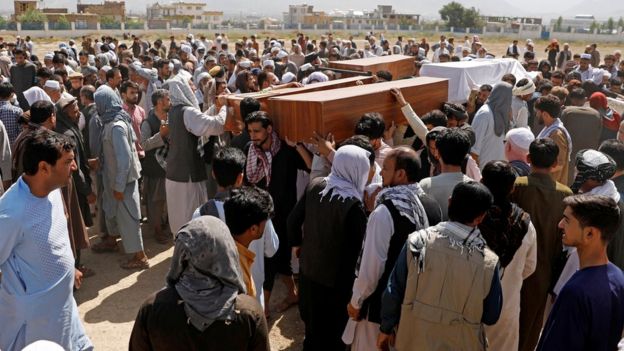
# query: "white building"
(580, 23)
(184, 12)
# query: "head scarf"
(260, 163)
(592, 164)
(500, 105)
(316, 77)
(180, 92)
(5, 65)
(526, 89)
(102, 60)
(109, 104)
(35, 94)
(598, 101)
(205, 271)
(349, 173)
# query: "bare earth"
(109, 301)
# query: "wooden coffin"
(399, 65)
(235, 99)
(337, 111)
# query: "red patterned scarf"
(259, 162)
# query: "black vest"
(183, 161)
(371, 307)
(150, 167)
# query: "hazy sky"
(536, 8)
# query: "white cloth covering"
(488, 145)
(466, 75)
(519, 113)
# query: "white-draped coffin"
(466, 75)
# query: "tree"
(453, 14)
(456, 15)
(610, 25)
(62, 23)
(594, 26)
(620, 22)
(32, 16)
(559, 24)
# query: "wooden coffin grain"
(337, 111)
(234, 100)
(399, 65)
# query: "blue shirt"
(36, 300)
(588, 313)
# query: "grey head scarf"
(500, 105)
(109, 105)
(180, 91)
(205, 271)
(101, 60)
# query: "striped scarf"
(259, 162)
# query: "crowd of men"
(493, 224)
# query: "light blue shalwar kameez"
(36, 300)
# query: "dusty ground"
(495, 45)
(109, 301)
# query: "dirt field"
(495, 45)
(109, 301)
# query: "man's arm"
(420, 129)
(201, 124)
(11, 234)
(562, 142)
(393, 295)
(271, 240)
(374, 255)
(531, 258)
(493, 302)
(149, 141)
(295, 221)
(119, 136)
(5, 157)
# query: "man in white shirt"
(401, 208)
(588, 72)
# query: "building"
(116, 10)
(182, 13)
(86, 15)
(580, 23)
(512, 21)
(383, 15)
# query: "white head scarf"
(180, 91)
(35, 94)
(349, 173)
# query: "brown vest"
(443, 304)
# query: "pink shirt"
(137, 113)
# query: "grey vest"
(183, 161)
(151, 167)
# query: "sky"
(601, 9)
